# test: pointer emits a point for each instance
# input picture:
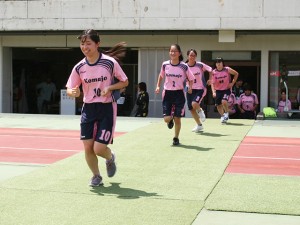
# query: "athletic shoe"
(198, 128)
(111, 166)
(226, 117)
(171, 124)
(96, 181)
(175, 141)
(222, 120)
(202, 115)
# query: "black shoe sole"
(175, 141)
(171, 124)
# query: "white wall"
(149, 15)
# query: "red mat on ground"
(265, 155)
(38, 146)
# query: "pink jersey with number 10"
(95, 77)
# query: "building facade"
(258, 38)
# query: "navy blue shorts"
(173, 103)
(222, 95)
(98, 122)
(196, 96)
(248, 115)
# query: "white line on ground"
(42, 149)
(271, 158)
(29, 136)
(271, 145)
(22, 164)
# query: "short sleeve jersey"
(248, 102)
(95, 77)
(175, 75)
(231, 101)
(221, 79)
(281, 105)
(198, 71)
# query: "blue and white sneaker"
(198, 128)
(226, 117)
(96, 181)
(202, 115)
(111, 167)
(223, 120)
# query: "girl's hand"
(105, 91)
(75, 92)
(157, 90)
(230, 85)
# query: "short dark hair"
(247, 87)
(283, 91)
(219, 59)
(143, 86)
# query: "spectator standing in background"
(237, 89)
(46, 94)
(142, 100)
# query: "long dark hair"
(118, 52)
(179, 50)
(188, 53)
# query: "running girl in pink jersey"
(199, 89)
(99, 75)
(221, 85)
(248, 103)
(174, 72)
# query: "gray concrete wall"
(149, 15)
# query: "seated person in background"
(281, 104)
(248, 103)
(232, 106)
(142, 100)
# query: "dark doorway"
(37, 64)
